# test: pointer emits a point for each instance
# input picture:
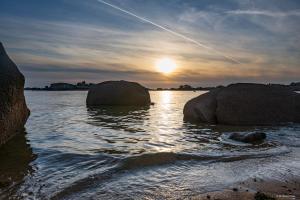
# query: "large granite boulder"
(202, 108)
(13, 109)
(121, 93)
(245, 104)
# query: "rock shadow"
(15, 156)
(128, 118)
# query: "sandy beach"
(258, 189)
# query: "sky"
(75, 40)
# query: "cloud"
(267, 13)
(98, 44)
(81, 69)
(192, 15)
(46, 74)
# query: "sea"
(69, 151)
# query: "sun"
(165, 65)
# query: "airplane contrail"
(170, 31)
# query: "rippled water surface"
(73, 152)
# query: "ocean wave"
(159, 159)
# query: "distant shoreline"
(42, 90)
(47, 90)
(83, 86)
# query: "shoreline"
(258, 189)
(49, 90)
(83, 86)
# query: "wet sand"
(258, 189)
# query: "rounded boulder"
(118, 93)
(245, 104)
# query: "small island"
(63, 86)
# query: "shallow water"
(134, 153)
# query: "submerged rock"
(249, 137)
(245, 104)
(13, 109)
(121, 93)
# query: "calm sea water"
(71, 152)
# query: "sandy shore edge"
(257, 189)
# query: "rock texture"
(202, 108)
(245, 104)
(122, 93)
(13, 109)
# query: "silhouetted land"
(64, 86)
(86, 86)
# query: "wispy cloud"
(99, 43)
(182, 36)
(268, 13)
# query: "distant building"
(185, 87)
(62, 86)
(295, 86)
(83, 85)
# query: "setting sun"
(165, 65)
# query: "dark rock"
(120, 93)
(13, 109)
(262, 196)
(249, 137)
(202, 108)
(4, 184)
(245, 104)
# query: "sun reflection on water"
(163, 136)
(166, 98)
